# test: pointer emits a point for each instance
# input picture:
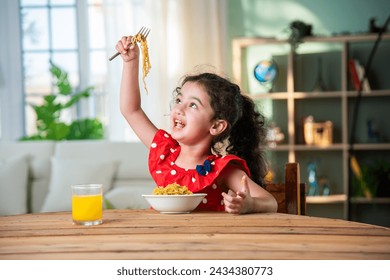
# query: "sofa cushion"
(13, 185)
(132, 157)
(67, 172)
(38, 154)
(129, 195)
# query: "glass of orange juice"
(87, 204)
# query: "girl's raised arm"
(130, 96)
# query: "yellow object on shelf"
(318, 133)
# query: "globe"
(265, 71)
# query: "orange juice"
(87, 207)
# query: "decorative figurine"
(373, 133)
(274, 135)
(324, 186)
(313, 183)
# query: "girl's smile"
(179, 124)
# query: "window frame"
(13, 115)
(11, 90)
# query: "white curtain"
(185, 35)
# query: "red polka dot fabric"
(164, 151)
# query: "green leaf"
(108, 204)
(35, 137)
(77, 96)
(57, 131)
(86, 129)
(61, 79)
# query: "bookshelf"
(293, 99)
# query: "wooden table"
(146, 234)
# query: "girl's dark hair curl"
(246, 132)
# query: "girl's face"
(191, 115)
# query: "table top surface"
(147, 234)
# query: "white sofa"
(35, 176)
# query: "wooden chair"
(290, 195)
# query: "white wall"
(271, 18)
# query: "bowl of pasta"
(174, 199)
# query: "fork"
(144, 33)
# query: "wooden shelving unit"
(336, 198)
(297, 100)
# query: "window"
(71, 34)
(80, 36)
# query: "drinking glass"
(87, 204)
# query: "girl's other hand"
(127, 49)
(238, 203)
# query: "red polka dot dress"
(163, 153)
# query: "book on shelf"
(356, 71)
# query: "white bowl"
(174, 204)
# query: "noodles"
(139, 38)
(171, 189)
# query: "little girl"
(214, 144)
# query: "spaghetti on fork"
(140, 38)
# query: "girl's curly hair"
(246, 132)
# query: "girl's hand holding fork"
(128, 50)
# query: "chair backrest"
(290, 195)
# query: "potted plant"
(48, 123)
(376, 176)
